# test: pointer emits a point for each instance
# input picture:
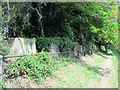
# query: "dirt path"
(107, 72)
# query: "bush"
(40, 65)
(36, 66)
(65, 44)
(3, 84)
(4, 50)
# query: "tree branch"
(36, 10)
(42, 32)
(55, 13)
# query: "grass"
(76, 75)
(99, 61)
(114, 77)
(119, 70)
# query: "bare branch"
(55, 13)
(37, 11)
(42, 32)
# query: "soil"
(21, 82)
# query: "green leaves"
(64, 43)
(94, 29)
(37, 66)
(4, 49)
(70, 20)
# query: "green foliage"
(36, 66)
(80, 22)
(65, 44)
(4, 50)
(40, 65)
(3, 43)
(2, 82)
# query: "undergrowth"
(64, 43)
(3, 84)
(36, 67)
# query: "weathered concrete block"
(54, 49)
(22, 46)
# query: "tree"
(84, 22)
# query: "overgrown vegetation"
(34, 66)
(4, 50)
(81, 22)
(3, 84)
(37, 67)
(64, 43)
(88, 24)
(3, 43)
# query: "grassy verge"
(99, 61)
(64, 73)
(76, 75)
(114, 77)
(73, 76)
(119, 70)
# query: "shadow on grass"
(102, 55)
(106, 53)
(98, 70)
(116, 54)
